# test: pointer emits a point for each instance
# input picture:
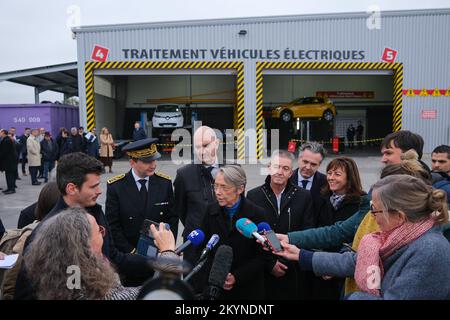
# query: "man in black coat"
(307, 176)
(23, 148)
(50, 151)
(193, 185)
(139, 194)
(8, 161)
(76, 141)
(138, 132)
(287, 208)
(79, 183)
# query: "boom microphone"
(220, 268)
(195, 237)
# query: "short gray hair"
(282, 154)
(234, 175)
(314, 147)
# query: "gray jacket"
(419, 270)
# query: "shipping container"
(49, 116)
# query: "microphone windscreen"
(246, 227)
(196, 237)
(213, 241)
(221, 266)
(263, 226)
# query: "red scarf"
(375, 247)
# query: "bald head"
(205, 145)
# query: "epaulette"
(162, 175)
(116, 178)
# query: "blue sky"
(37, 33)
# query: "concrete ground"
(10, 205)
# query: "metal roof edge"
(38, 70)
(249, 20)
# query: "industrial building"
(389, 70)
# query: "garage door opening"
(178, 97)
(318, 105)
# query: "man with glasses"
(288, 208)
(193, 185)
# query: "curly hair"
(63, 241)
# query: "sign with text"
(389, 55)
(99, 53)
(346, 94)
(429, 114)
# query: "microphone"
(248, 229)
(195, 237)
(263, 227)
(203, 257)
(220, 268)
(209, 246)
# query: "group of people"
(352, 132)
(339, 241)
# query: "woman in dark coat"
(246, 277)
(340, 199)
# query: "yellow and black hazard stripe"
(236, 65)
(396, 67)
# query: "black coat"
(126, 213)
(47, 153)
(318, 182)
(65, 146)
(296, 213)
(328, 215)
(139, 134)
(8, 155)
(132, 268)
(193, 188)
(77, 143)
(27, 216)
(248, 256)
(2, 229)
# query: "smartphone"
(274, 243)
(145, 229)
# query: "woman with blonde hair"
(106, 148)
(407, 259)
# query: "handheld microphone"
(263, 226)
(248, 229)
(220, 268)
(195, 237)
(209, 246)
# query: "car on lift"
(306, 108)
(168, 115)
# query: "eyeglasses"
(373, 211)
(102, 230)
(222, 187)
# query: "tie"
(143, 191)
(304, 183)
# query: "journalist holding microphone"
(246, 277)
(407, 259)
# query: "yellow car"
(307, 107)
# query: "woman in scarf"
(407, 259)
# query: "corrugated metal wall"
(421, 39)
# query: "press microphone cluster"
(204, 256)
(195, 238)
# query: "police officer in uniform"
(139, 194)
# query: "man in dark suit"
(287, 208)
(307, 176)
(8, 161)
(193, 185)
(139, 194)
(138, 132)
